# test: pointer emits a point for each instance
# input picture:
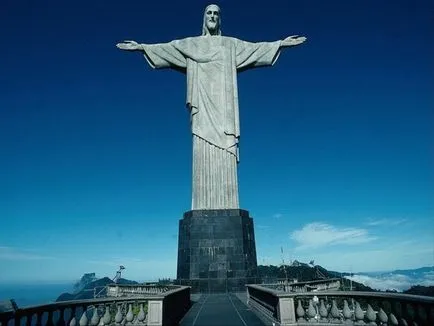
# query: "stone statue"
(211, 62)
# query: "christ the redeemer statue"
(211, 62)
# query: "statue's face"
(212, 18)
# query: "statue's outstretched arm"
(160, 55)
(292, 41)
(130, 46)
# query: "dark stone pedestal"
(216, 251)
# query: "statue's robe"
(211, 64)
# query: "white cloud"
(400, 255)
(277, 215)
(396, 282)
(315, 235)
(386, 221)
(10, 253)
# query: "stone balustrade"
(157, 309)
(120, 290)
(340, 307)
(319, 285)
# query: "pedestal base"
(216, 251)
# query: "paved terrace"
(220, 309)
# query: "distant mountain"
(87, 290)
(303, 273)
(412, 281)
(421, 290)
(85, 279)
(415, 272)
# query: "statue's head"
(211, 21)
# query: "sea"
(33, 293)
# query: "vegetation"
(304, 273)
(421, 290)
(87, 284)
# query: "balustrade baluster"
(358, 313)
(118, 317)
(94, 321)
(61, 320)
(72, 320)
(346, 311)
(397, 310)
(300, 311)
(334, 311)
(382, 316)
(311, 311)
(106, 319)
(50, 319)
(141, 315)
(322, 310)
(84, 320)
(130, 315)
(38, 318)
(371, 315)
(393, 320)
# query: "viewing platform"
(296, 304)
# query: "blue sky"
(336, 145)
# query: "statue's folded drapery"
(211, 65)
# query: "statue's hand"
(129, 46)
(293, 40)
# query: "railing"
(319, 285)
(340, 307)
(163, 309)
(120, 290)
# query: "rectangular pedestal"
(216, 251)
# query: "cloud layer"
(315, 235)
(386, 222)
(396, 282)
